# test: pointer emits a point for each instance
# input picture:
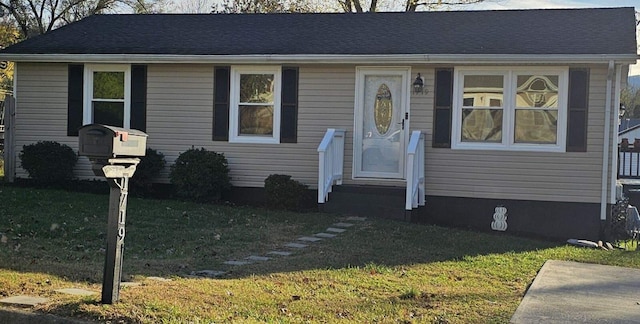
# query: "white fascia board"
(313, 58)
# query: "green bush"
(48, 162)
(149, 168)
(200, 175)
(284, 193)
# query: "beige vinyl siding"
(570, 176)
(331, 92)
(41, 110)
(180, 115)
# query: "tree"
(8, 35)
(21, 19)
(35, 17)
(268, 6)
(271, 6)
(193, 6)
(630, 99)
(408, 5)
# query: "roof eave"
(325, 58)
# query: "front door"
(381, 122)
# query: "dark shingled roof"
(557, 31)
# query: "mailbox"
(113, 152)
(107, 142)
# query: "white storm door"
(381, 122)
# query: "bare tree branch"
(373, 6)
(34, 17)
(357, 5)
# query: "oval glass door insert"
(383, 109)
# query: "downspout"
(607, 139)
(614, 144)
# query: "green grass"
(378, 271)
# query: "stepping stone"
(237, 263)
(208, 273)
(296, 245)
(257, 258)
(23, 300)
(356, 218)
(159, 279)
(343, 224)
(76, 292)
(309, 239)
(280, 253)
(129, 284)
(335, 230)
(325, 235)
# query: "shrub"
(149, 168)
(284, 193)
(48, 162)
(200, 175)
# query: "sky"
(539, 4)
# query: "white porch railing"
(415, 171)
(331, 162)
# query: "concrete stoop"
(367, 201)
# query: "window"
(255, 105)
(108, 95)
(511, 109)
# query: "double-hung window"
(254, 115)
(510, 109)
(107, 95)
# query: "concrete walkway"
(572, 292)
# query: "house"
(502, 120)
(629, 152)
(630, 134)
(626, 124)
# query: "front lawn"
(376, 270)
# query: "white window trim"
(234, 103)
(87, 112)
(509, 108)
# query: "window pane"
(108, 85)
(256, 88)
(537, 91)
(482, 125)
(483, 91)
(256, 120)
(537, 126)
(108, 113)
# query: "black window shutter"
(578, 109)
(221, 78)
(289, 111)
(442, 108)
(139, 97)
(75, 98)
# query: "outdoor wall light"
(418, 85)
(623, 109)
